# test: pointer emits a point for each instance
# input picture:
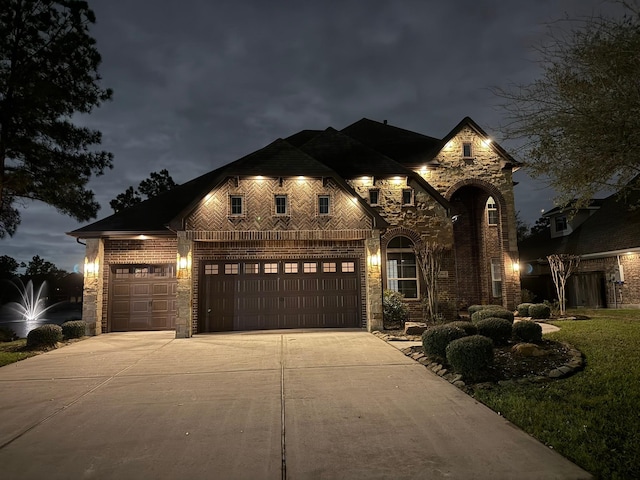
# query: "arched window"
(492, 212)
(402, 270)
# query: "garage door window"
(251, 268)
(329, 267)
(270, 268)
(310, 267)
(348, 267)
(211, 269)
(231, 268)
(291, 267)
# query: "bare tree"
(562, 266)
(430, 256)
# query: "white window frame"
(393, 281)
(231, 206)
(561, 221)
(496, 278)
(411, 194)
(492, 212)
(328, 199)
(276, 206)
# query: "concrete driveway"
(268, 405)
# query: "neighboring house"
(307, 232)
(606, 235)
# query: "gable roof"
(613, 228)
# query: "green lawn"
(11, 352)
(593, 417)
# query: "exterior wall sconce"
(183, 264)
(91, 269)
(516, 267)
(374, 260)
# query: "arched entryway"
(479, 217)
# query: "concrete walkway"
(287, 404)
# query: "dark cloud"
(198, 83)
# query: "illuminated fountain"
(31, 306)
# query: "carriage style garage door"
(270, 294)
(142, 297)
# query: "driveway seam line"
(283, 450)
(73, 402)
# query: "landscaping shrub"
(539, 311)
(74, 329)
(470, 356)
(476, 308)
(527, 331)
(394, 309)
(7, 335)
(436, 339)
(499, 312)
(44, 336)
(497, 329)
(523, 309)
(468, 327)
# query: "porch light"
(374, 260)
(91, 268)
(183, 263)
(516, 267)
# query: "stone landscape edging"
(575, 364)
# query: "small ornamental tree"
(562, 266)
(430, 256)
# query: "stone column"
(93, 285)
(374, 283)
(185, 287)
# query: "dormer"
(564, 220)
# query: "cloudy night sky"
(200, 83)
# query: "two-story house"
(606, 236)
(308, 232)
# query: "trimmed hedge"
(470, 356)
(468, 327)
(436, 339)
(7, 335)
(527, 331)
(44, 336)
(74, 329)
(523, 309)
(495, 313)
(497, 329)
(539, 311)
(476, 308)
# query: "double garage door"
(272, 294)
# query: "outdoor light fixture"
(91, 268)
(374, 260)
(516, 267)
(183, 263)
(486, 142)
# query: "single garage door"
(271, 294)
(142, 297)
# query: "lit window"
(236, 205)
(348, 267)
(492, 211)
(251, 268)
(281, 205)
(467, 152)
(231, 268)
(561, 224)
(496, 277)
(141, 272)
(291, 267)
(407, 196)
(323, 205)
(211, 269)
(329, 267)
(374, 197)
(402, 270)
(270, 268)
(310, 267)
